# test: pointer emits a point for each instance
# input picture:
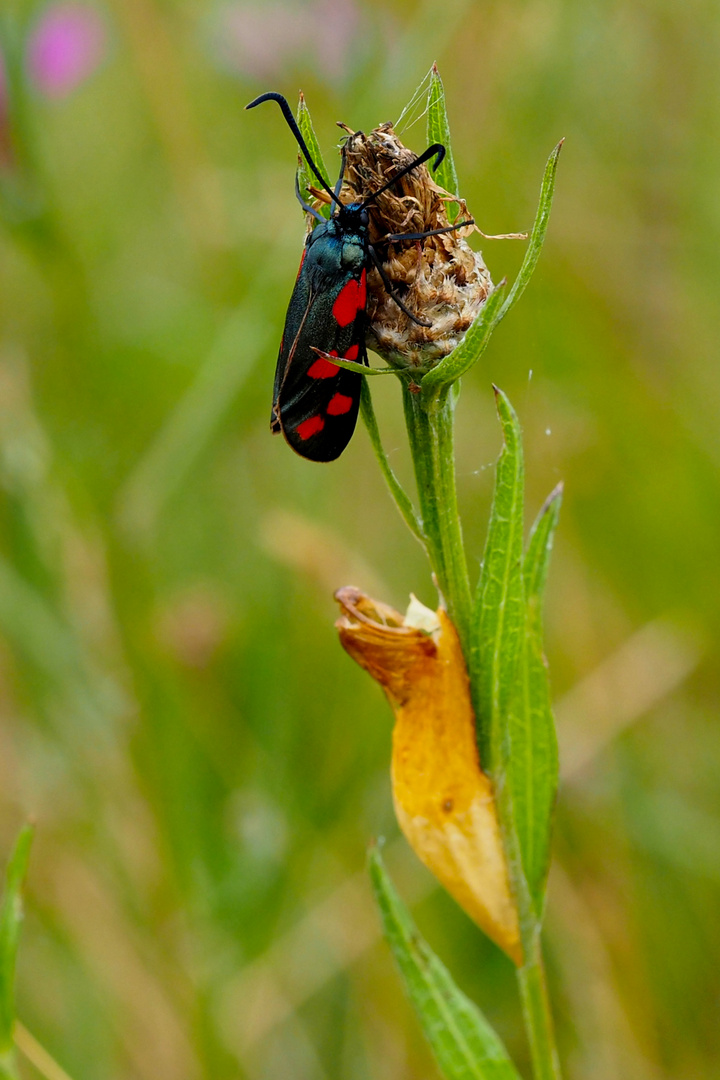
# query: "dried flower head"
(441, 278)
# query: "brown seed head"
(440, 279)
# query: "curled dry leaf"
(443, 800)
(441, 279)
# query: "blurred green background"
(205, 765)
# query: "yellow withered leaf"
(443, 800)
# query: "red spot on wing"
(349, 301)
(352, 353)
(322, 368)
(311, 426)
(339, 404)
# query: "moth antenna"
(292, 124)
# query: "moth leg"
(306, 206)
(432, 232)
(391, 293)
(338, 186)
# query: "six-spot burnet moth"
(316, 402)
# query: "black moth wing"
(315, 402)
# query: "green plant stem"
(430, 431)
(537, 1015)
(402, 501)
(430, 423)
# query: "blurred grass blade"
(438, 130)
(470, 349)
(37, 1055)
(61, 670)
(10, 920)
(685, 836)
(533, 767)
(402, 500)
(306, 179)
(499, 615)
(241, 342)
(464, 1044)
(537, 236)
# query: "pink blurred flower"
(260, 39)
(335, 28)
(66, 45)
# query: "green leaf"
(402, 500)
(470, 349)
(499, 615)
(362, 369)
(438, 130)
(464, 1044)
(539, 549)
(533, 764)
(306, 178)
(537, 236)
(10, 920)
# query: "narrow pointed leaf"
(537, 236)
(470, 349)
(10, 920)
(362, 369)
(438, 130)
(499, 614)
(533, 766)
(464, 1044)
(539, 549)
(306, 178)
